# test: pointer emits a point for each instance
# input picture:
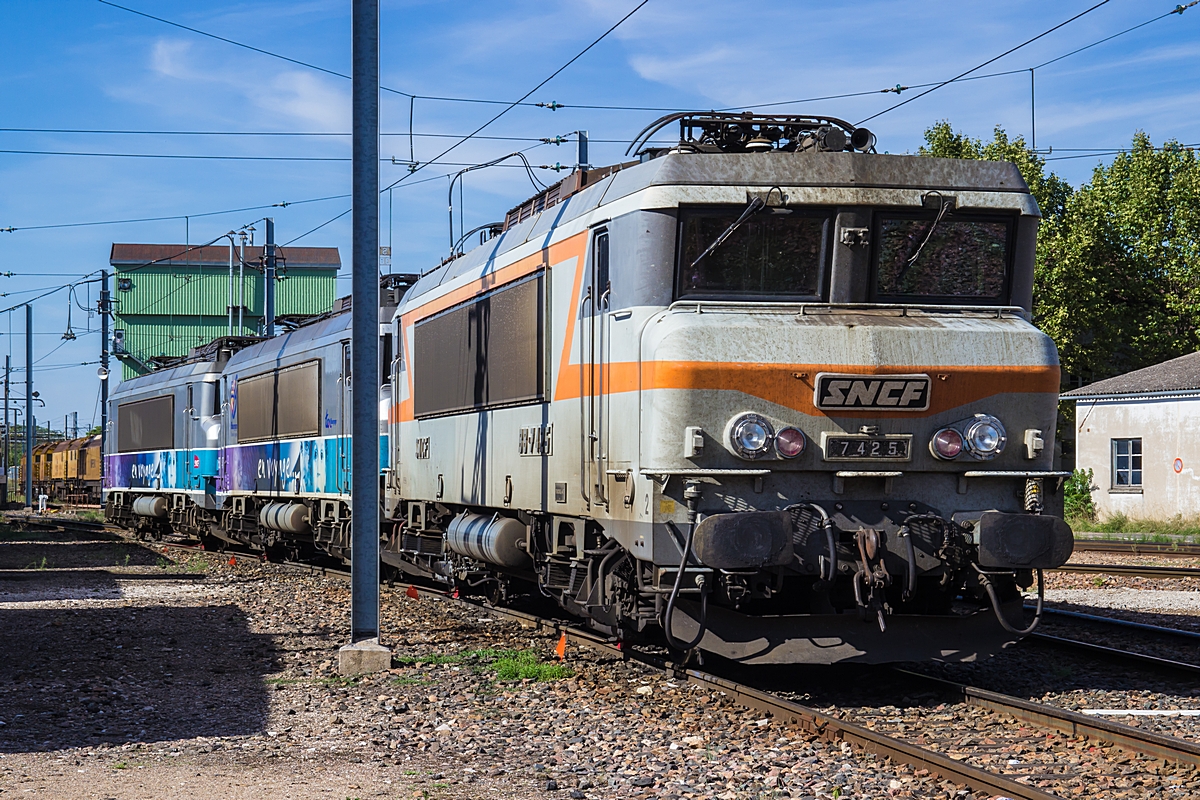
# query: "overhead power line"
(985, 63)
(1177, 10)
(406, 134)
(206, 157)
(435, 160)
(283, 204)
(516, 102)
(552, 105)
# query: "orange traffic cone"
(561, 648)
(413, 593)
(232, 561)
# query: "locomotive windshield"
(953, 259)
(769, 254)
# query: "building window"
(1127, 463)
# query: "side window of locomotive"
(600, 273)
(960, 258)
(485, 353)
(282, 404)
(772, 254)
(146, 425)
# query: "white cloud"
(184, 79)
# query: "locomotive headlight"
(750, 436)
(986, 437)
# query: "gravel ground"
(203, 679)
(1054, 762)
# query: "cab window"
(956, 259)
(774, 253)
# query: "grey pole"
(269, 278)
(1032, 114)
(7, 372)
(29, 405)
(241, 330)
(364, 653)
(105, 379)
(229, 308)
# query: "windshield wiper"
(756, 205)
(945, 206)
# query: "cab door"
(593, 349)
(190, 471)
(343, 423)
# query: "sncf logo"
(872, 392)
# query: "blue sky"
(80, 64)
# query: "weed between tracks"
(508, 665)
(1184, 530)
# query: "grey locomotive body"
(810, 370)
(766, 391)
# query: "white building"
(1139, 433)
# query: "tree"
(1115, 282)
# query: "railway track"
(1132, 570)
(1171, 550)
(952, 767)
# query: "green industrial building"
(169, 298)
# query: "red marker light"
(947, 443)
(790, 442)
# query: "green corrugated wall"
(169, 310)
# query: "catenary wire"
(514, 104)
(417, 167)
(198, 157)
(985, 63)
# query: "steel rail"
(1120, 623)
(810, 720)
(1141, 659)
(1132, 570)
(1125, 737)
(1170, 550)
(835, 730)
(823, 726)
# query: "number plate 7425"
(867, 448)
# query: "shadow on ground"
(75, 677)
(59, 555)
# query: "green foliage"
(1178, 529)
(1077, 496)
(508, 665)
(524, 665)
(1050, 191)
(1117, 260)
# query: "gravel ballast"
(201, 679)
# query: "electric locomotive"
(765, 392)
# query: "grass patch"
(43, 564)
(1176, 529)
(509, 665)
(336, 680)
(526, 665)
(411, 681)
(91, 516)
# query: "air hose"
(991, 593)
(701, 582)
(831, 571)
